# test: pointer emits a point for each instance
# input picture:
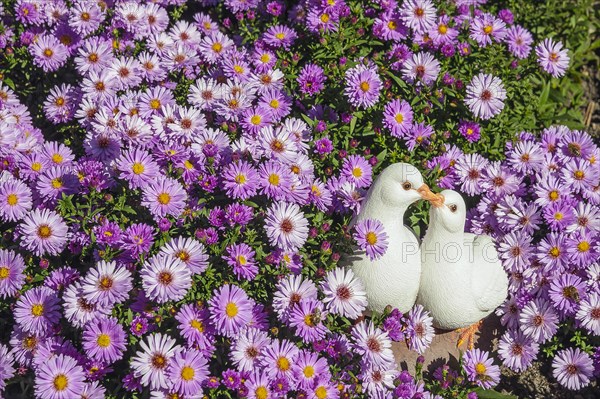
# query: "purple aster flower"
(309, 367)
(519, 41)
(362, 86)
(552, 252)
(278, 358)
(165, 278)
(485, 96)
(486, 27)
(582, 248)
(356, 169)
(538, 320)
(344, 294)
(286, 226)
(572, 368)
(37, 310)
(15, 200)
(231, 309)
(469, 130)
(372, 343)
(516, 350)
(241, 180)
(323, 146)
(43, 232)
(258, 385)
(588, 314)
(137, 167)
(238, 214)
(566, 292)
(139, 326)
(241, 258)
(290, 291)
(307, 317)
(419, 15)
(12, 277)
(311, 79)
(418, 135)
(48, 53)
(104, 340)
(515, 250)
(195, 327)
(231, 379)
(469, 169)
(398, 117)
(480, 368)
(280, 36)
(552, 57)
(579, 175)
(107, 284)
(248, 347)
(59, 378)
(187, 370)
(189, 251)
(164, 196)
(421, 67)
(558, 215)
(7, 370)
(324, 388)
(371, 237)
(151, 363)
(138, 239)
(441, 33)
(501, 181)
(419, 329)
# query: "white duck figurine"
(392, 279)
(462, 279)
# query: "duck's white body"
(393, 279)
(462, 278)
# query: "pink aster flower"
(552, 57)
(231, 309)
(371, 237)
(485, 96)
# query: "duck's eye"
(406, 185)
(453, 208)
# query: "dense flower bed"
(176, 192)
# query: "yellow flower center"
(60, 382)
(217, 47)
(274, 179)
(308, 320)
(12, 199)
(283, 364)
(57, 183)
(442, 29)
(164, 198)
(274, 103)
(48, 52)
(57, 158)
(280, 36)
(261, 393)
(37, 309)
(392, 25)
(553, 195)
(357, 172)
(198, 325)
(558, 216)
(59, 101)
(480, 368)
(241, 259)
(240, 179)
(554, 252)
(103, 340)
(325, 18)
(231, 310)
(308, 371)
(187, 373)
(487, 29)
(265, 58)
(188, 164)
(583, 246)
(321, 392)
(155, 103)
(364, 86)
(371, 238)
(44, 231)
(4, 272)
(255, 120)
(85, 16)
(36, 166)
(399, 118)
(238, 69)
(579, 175)
(138, 168)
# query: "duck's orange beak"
(436, 200)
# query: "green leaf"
(491, 394)
(353, 124)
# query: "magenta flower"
(480, 368)
(230, 309)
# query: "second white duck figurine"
(393, 279)
(462, 280)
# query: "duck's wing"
(489, 282)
